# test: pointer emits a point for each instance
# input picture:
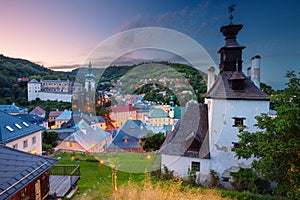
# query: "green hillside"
(13, 68)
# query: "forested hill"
(13, 68)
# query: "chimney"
(255, 70)
(210, 78)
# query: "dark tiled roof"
(132, 130)
(18, 169)
(31, 118)
(12, 128)
(190, 135)
(12, 109)
(222, 89)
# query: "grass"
(96, 180)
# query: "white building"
(206, 135)
(53, 90)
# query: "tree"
(152, 142)
(277, 145)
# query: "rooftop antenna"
(230, 10)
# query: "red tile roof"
(122, 108)
(55, 113)
(37, 111)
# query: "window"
(238, 121)
(25, 124)
(196, 166)
(10, 128)
(18, 126)
(234, 146)
(25, 144)
(15, 146)
(225, 179)
(33, 140)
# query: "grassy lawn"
(96, 180)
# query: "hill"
(11, 69)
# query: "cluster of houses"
(201, 136)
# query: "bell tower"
(231, 52)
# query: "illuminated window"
(25, 124)
(18, 126)
(9, 128)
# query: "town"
(201, 129)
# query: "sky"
(62, 34)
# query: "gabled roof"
(38, 111)
(87, 118)
(12, 128)
(122, 108)
(66, 115)
(190, 135)
(18, 169)
(222, 89)
(31, 118)
(12, 109)
(87, 136)
(157, 113)
(55, 113)
(132, 130)
(34, 81)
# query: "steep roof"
(190, 135)
(34, 81)
(87, 136)
(179, 111)
(18, 169)
(66, 115)
(122, 108)
(38, 111)
(31, 118)
(132, 130)
(157, 113)
(222, 89)
(12, 109)
(55, 113)
(12, 128)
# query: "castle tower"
(33, 89)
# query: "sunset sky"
(61, 34)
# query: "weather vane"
(230, 10)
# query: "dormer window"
(125, 139)
(18, 126)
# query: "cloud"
(189, 20)
(65, 67)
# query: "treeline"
(12, 90)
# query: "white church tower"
(89, 80)
(233, 100)
(206, 135)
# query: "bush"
(215, 180)
(243, 180)
(167, 174)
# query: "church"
(205, 137)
